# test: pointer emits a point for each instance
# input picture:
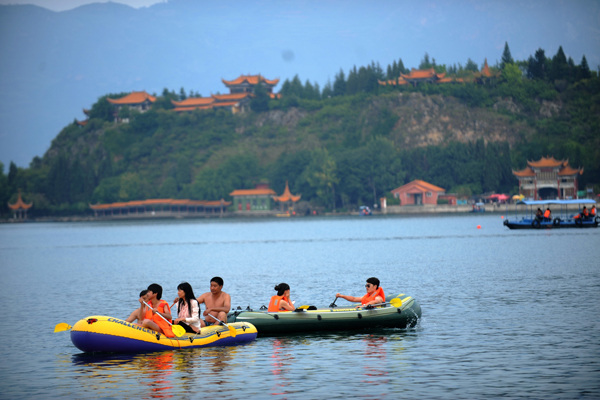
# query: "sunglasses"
(368, 285)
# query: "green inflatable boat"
(399, 311)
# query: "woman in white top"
(188, 310)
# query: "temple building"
(241, 91)
(418, 192)
(486, 76)
(156, 208)
(139, 101)
(287, 199)
(548, 178)
(258, 199)
(19, 208)
(419, 76)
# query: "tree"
(537, 66)
(583, 71)
(321, 175)
(339, 84)
(260, 101)
(506, 57)
(559, 68)
(425, 63)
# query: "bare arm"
(353, 299)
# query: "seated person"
(188, 310)
(375, 294)
(135, 314)
(281, 301)
(217, 302)
(539, 215)
(547, 214)
(157, 317)
(593, 212)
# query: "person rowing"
(375, 294)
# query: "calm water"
(512, 314)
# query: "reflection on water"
(282, 359)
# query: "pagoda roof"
(420, 185)
(193, 102)
(524, 172)
(568, 170)
(250, 79)
(253, 192)
(161, 202)
(232, 96)
(547, 162)
(422, 74)
(20, 204)
(133, 98)
(287, 195)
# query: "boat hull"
(333, 319)
(108, 334)
(556, 223)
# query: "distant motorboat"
(562, 219)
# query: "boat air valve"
(319, 317)
(359, 315)
(92, 320)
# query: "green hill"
(337, 150)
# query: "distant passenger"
(547, 214)
(593, 212)
(539, 215)
(281, 301)
(375, 294)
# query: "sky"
(195, 47)
(63, 5)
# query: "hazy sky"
(62, 5)
(199, 42)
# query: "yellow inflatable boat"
(108, 334)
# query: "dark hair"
(156, 288)
(189, 296)
(373, 281)
(218, 280)
(143, 293)
(281, 288)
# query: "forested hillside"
(347, 144)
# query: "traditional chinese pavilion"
(418, 192)
(418, 76)
(258, 199)
(548, 178)
(247, 83)
(140, 101)
(287, 199)
(160, 208)
(19, 208)
(485, 76)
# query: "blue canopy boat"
(563, 219)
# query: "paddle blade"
(178, 330)
(396, 302)
(232, 331)
(61, 327)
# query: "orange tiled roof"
(193, 102)
(287, 195)
(133, 98)
(163, 202)
(524, 172)
(253, 192)
(251, 79)
(422, 185)
(82, 123)
(546, 162)
(234, 96)
(422, 74)
(568, 170)
(20, 204)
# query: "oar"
(62, 326)
(178, 330)
(395, 302)
(332, 305)
(232, 330)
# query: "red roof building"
(418, 192)
(287, 199)
(160, 208)
(258, 199)
(139, 101)
(19, 208)
(548, 178)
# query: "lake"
(512, 314)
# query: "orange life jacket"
(593, 213)
(164, 325)
(368, 297)
(586, 213)
(547, 214)
(275, 303)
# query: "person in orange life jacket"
(188, 310)
(593, 211)
(539, 214)
(547, 214)
(150, 318)
(135, 314)
(281, 302)
(375, 294)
